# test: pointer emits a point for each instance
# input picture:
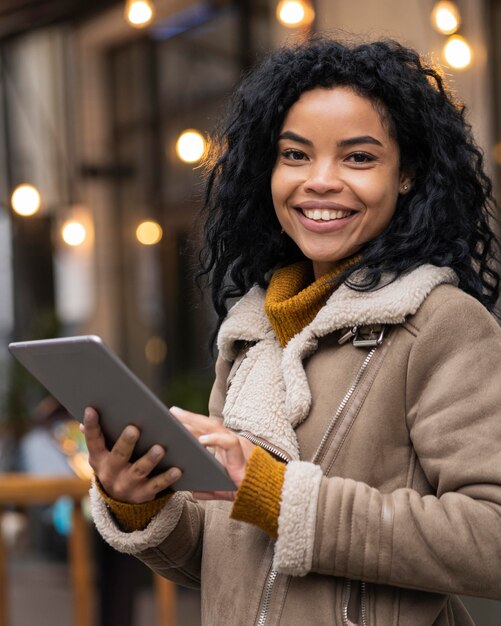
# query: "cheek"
(383, 213)
(276, 183)
(278, 193)
(379, 195)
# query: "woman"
(357, 404)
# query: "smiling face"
(337, 176)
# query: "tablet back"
(83, 371)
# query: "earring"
(405, 188)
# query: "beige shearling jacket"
(391, 504)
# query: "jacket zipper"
(280, 454)
(270, 581)
(363, 604)
(344, 402)
(346, 601)
(272, 575)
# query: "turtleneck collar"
(294, 297)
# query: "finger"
(229, 442)
(93, 434)
(161, 482)
(183, 413)
(123, 448)
(195, 420)
(196, 432)
(144, 465)
(187, 416)
(214, 495)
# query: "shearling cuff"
(297, 520)
(138, 540)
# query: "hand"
(122, 479)
(232, 450)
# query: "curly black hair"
(445, 218)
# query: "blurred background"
(105, 110)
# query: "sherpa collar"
(247, 320)
(269, 395)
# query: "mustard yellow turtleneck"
(293, 299)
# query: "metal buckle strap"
(364, 336)
(370, 340)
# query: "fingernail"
(176, 409)
(130, 433)
(204, 438)
(157, 451)
(175, 473)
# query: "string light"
(496, 153)
(190, 146)
(139, 13)
(457, 52)
(294, 13)
(445, 18)
(149, 233)
(25, 200)
(73, 233)
(155, 350)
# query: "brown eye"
(360, 157)
(293, 155)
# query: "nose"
(323, 178)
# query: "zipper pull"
(348, 335)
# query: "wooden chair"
(28, 490)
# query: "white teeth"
(325, 214)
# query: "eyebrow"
(288, 134)
(351, 141)
(356, 140)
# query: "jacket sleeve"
(171, 544)
(446, 542)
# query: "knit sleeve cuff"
(132, 517)
(258, 498)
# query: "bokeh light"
(294, 13)
(457, 52)
(155, 350)
(190, 146)
(73, 233)
(139, 13)
(149, 233)
(445, 18)
(25, 200)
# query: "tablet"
(83, 371)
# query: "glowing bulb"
(73, 233)
(190, 146)
(496, 153)
(155, 350)
(25, 200)
(445, 18)
(457, 52)
(139, 13)
(293, 13)
(149, 233)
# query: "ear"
(405, 184)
